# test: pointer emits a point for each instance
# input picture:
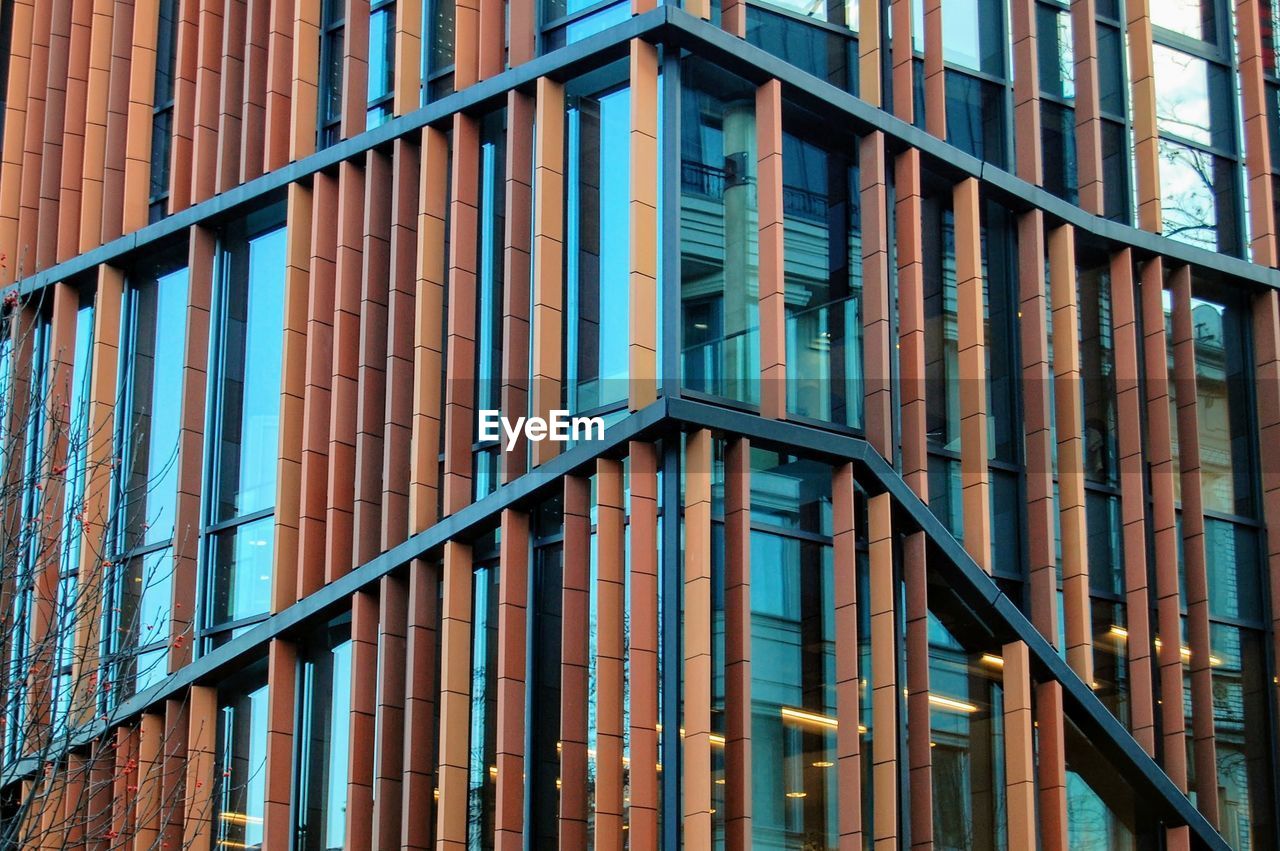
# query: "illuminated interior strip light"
(993, 660)
(951, 704)
(802, 716)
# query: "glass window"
(28, 546)
(1056, 59)
(1193, 18)
(568, 21)
(966, 739)
(162, 110)
(1246, 817)
(149, 419)
(324, 744)
(490, 284)
(1198, 195)
(823, 268)
(597, 256)
(482, 771)
(974, 36)
(719, 235)
(382, 61)
(332, 48)
(793, 684)
(546, 634)
(241, 796)
(1058, 141)
(975, 117)
(70, 605)
(827, 54)
(245, 413)
(1223, 383)
(1101, 809)
(437, 48)
(1192, 98)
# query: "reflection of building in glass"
(938, 343)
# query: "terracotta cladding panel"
(575, 604)
(15, 118)
(1193, 545)
(513, 578)
(305, 84)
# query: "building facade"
(941, 375)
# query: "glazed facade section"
(938, 504)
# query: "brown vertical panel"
(737, 643)
(231, 89)
(372, 369)
(915, 578)
(733, 16)
(491, 38)
(70, 180)
(848, 687)
(115, 186)
(408, 58)
(1133, 503)
(282, 673)
(401, 281)
(293, 392)
(1068, 396)
(305, 86)
(974, 475)
(97, 87)
(643, 554)
(699, 8)
(126, 776)
(1051, 775)
(253, 128)
(364, 699)
(466, 43)
(355, 67)
(642, 350)
(1266, 358)
(280, 54)
(548, 259)
(696, 763)
(428, 336)
(23, 259)
(173, 782)
(773, 319)
(421, 684)
(1164, 528)
(15, 122)
(522, 29)
(1019, 747)
(344, 387)
(142, 86)
(877, 326)
(1257, 145)
(900, 13)
(73, 805)
(460, 343)
(1193, 542)
(185, 68)
(517, 268)
(574, 643)
(201, 782)
(911, 357)
(935, 76)
(1037, 424)
(1084, 48)
(870, 55)
(455, 698)
(186, 526)
(513, 604)
(62, 13)
(610, 652)
(884, 673)
(1026, 90)
(389, 764)
(313, 472)
(205, 139)
(1142, 109)
(99, 454)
